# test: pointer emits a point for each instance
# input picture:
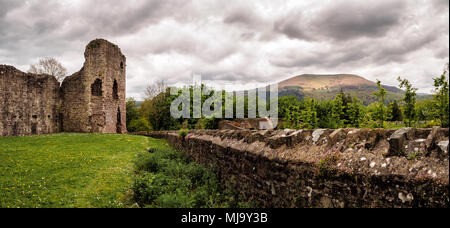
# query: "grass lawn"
(68, 170)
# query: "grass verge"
(67, 170)
(165, 178)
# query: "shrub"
(179, 199)
(139, 125)
(200, 125)
(183, 132)
(144, 191)
(165, 179)
(148, 162)
(413, 156)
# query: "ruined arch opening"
(121, 65)
(96, 88)
(115, 90)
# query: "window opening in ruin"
(121, 65)
(33, 129)
(115, 91)
(119, 122)
(96, 88)
(34, 116)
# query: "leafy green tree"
(410, 101)
(309, 114)
(394, 112)
(338, 111)
(139, 125)
(289, 110)
(441, 98)
(157, 112)
(323, 110)
(381, 95)
(356, 113)
(132, 110)
(284, 104)
(425, 109)
(371, 116)
(347, 99)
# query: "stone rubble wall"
(326, 168)
(29, 103)
(85, 112)
(36, 104)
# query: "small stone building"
(91, 100)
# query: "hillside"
(323, 87)
(327, 86)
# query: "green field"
(68, 170)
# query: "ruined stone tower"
(94, 97)
(91, 100)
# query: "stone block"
(397, 142)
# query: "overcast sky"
(249, 43)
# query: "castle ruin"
(89, 101)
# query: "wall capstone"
(344, 168)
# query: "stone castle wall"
(91, 100)
(94, 98)
(326, 168)
(29, 103)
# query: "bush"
(200, 125)
(165, 179)
(210, 123)
(183, 132)
(179, 199)
(139, 125)
(148, 162)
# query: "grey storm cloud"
(235, 41)
(244, 17)
(343, 20)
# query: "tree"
(289, 110)
(132, 110)
(337, 111)
(157, 112)
(155, 89)
(309, 114)
(381, 95)
(347, 99)
(441, 98)
(50, 66)
(425, 109)
(139, 125)
(284, 104)
(409, 99)
(394, 112)
(356, 113)
(324, 112)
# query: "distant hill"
(323, 87)
(327, 86)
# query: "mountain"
(323, 87)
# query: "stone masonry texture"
(94, 97)
(29, 103)
(91, 100)
(343, 168)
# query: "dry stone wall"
(326, 168)
(91, 100)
